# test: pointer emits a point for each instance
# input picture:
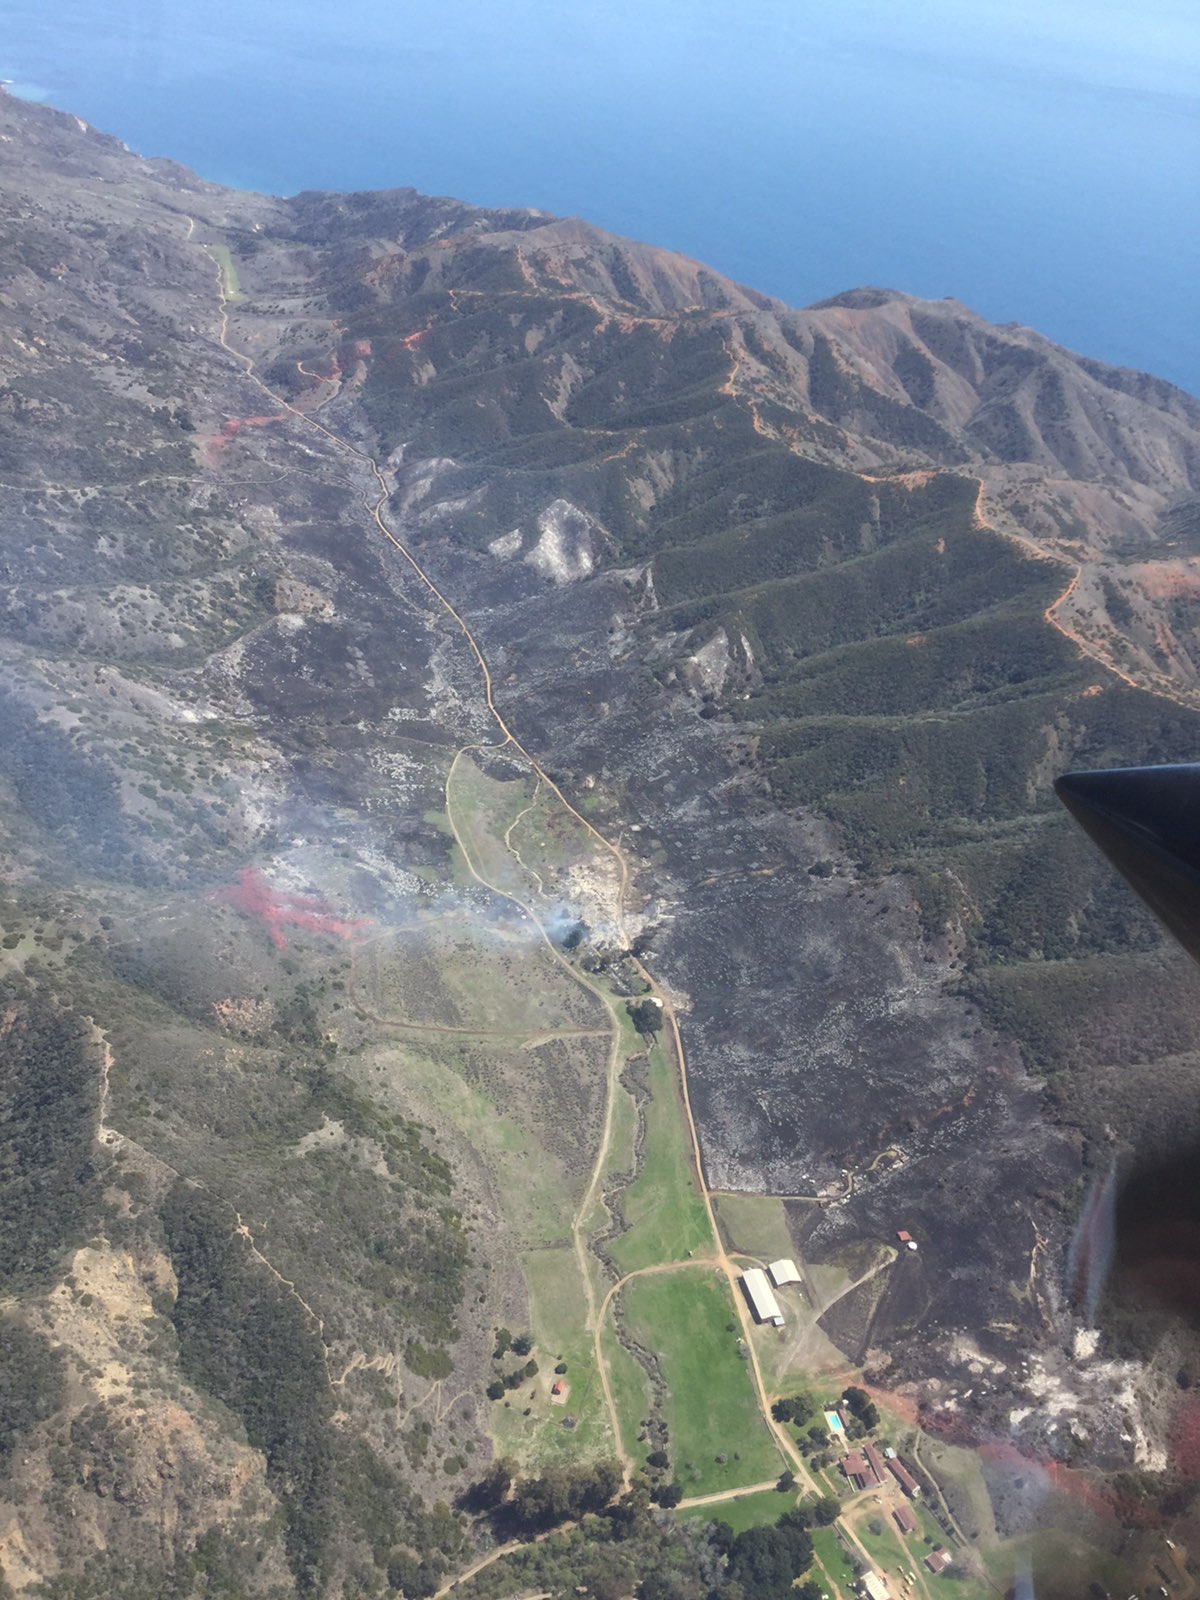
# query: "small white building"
(874, 1587)
(762, 1300)
(783, 1272)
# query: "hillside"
(424, 629)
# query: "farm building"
(874, 1587)
(905, 1520)
(876, 1461)
(762, 1300)
(905, 1478)
(938, 1560)
(783, 1272)
(858, 1470)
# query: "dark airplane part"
(1147, 822)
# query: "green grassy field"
(631, 1393)
(1053, 1554)
(717, 1437)
(892, 1553)
(532, 1183)
(754, 1224)
(545, 839)
(960, 1475)
(888, 1550)
(687, 1317)
(663, 1209)
(761, 1510)
(482, 809)
(578, 1430)
(831, 1563)
(230, 287)
(621, 1149)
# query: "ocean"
(1038, 161)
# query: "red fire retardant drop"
(255, 897)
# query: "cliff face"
(809, 606)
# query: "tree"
(495, 1390)
(720, 1537)
(492, 1489)
(787, 1480)
(669, 1494)
(659, 1460)
(646, 1016)
(522, 1345)
(826, 1510)
(765, 1562)
(794, 1409)
(862, 1406)
(409, 1577)
(563, 1492)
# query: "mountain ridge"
(738, 586)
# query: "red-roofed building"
(938, 1560)
(905, 1479)
(858, 1470)
(876, 1461)
(905, 1520)
(903, 1237)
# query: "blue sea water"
(1037, 159)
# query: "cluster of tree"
(225, 1564)
(764, 1563)
(860, 1405)
(560, 1494)
(520, 1344)
(243, 1338)
(795, 1409)
(490, 1491)
(31, 1383)
(499, 1387)
(247, 1340)
(626, 1548)
(49, 1190)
